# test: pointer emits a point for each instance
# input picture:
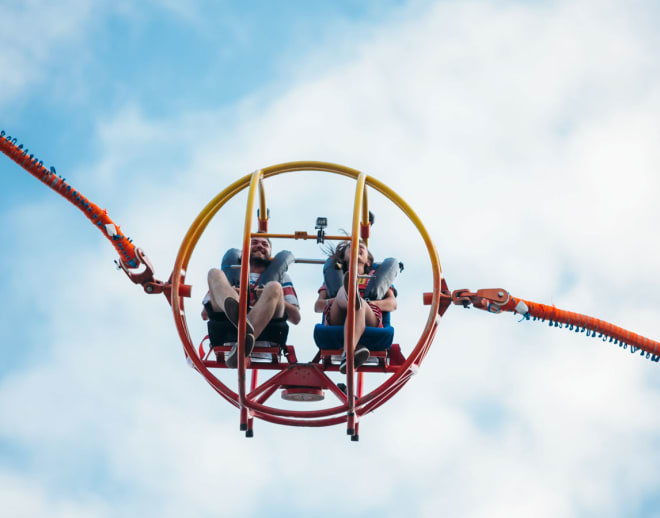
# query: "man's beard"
(258, 261)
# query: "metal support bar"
(299, 235)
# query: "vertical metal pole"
(360, 388)
(364, 226)
(263, 210)
(243, 296)
(349, 324)
(250, 420)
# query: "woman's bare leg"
(359, 326)
(364, 316)
(337, 315)
(369, 316)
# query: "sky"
(523, 133)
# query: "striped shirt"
(290, 295)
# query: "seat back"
(373, 338)
(223, 331)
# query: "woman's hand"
(322, 302)
(387, 303)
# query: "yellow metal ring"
(199, 225)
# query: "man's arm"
(292, 312)
(290, 305)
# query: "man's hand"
(258, 291)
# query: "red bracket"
(445, 298)
(492, 300)
(146, 278)
(364, 230)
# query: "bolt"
(149, 289)
(500, 294)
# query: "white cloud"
(31, 34)
(525, 137)
(21, 499)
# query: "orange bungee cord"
(498, 300)
(130, 257)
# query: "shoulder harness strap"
(275, 270)
(333, 277)
(277, 267)
(383, 279)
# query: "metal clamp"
(492, 300)
(146, 279)
(143, 277)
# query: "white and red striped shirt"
(290, 295)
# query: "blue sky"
(118, 52)
(523, 133)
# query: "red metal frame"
(252, 404)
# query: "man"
(274, 299)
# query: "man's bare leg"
(220, 289)
(270, 305)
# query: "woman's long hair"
(338, 252)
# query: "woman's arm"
(387, 303)
(322, 301)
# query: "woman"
(367, 312)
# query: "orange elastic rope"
(583, 322)
(95, 214)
